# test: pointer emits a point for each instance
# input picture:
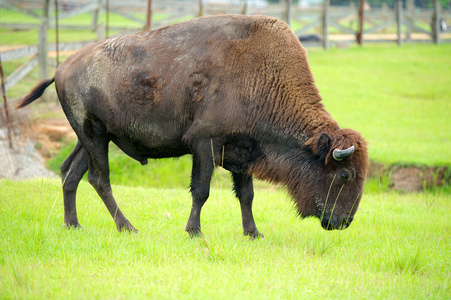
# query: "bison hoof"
(127, 227)
(194, 232)
(254, 235)
(73, 226)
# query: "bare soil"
(412, 178)
(32, 141)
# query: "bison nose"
(335, 222)
(345, 223)
(327, 222)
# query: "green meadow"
(399, 98)
(398, 246)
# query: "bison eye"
(344, 176)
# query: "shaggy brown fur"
(235, 91)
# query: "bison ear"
(320, 145)
(323, 146)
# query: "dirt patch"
(411, 178)
(416, 179)
(50, 134)
(20, 160)
(34, 140)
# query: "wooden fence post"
(97, 25)
(57, 35)
(436, 23)
(107, 18)
(95, 17)
(288, 12)
(149, 15)
(42, 45)
(7, 121)
(201, 9)
(326, 24)
(399, 21)
(360, 33)
(410, 12)
(244, 7)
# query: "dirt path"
(33, 142)
(21, 161)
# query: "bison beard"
(234, 91)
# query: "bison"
(233, 91)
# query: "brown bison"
(234, 91)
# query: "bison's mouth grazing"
(338, 217)
(334, 222)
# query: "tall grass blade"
(327, 198)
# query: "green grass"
(10, 16)
(398, 97)
(397, 247)
(30, 36)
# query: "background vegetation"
(398, 97)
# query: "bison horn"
(339, 155)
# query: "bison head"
(328, 180)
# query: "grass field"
(398, 247)
(398, 97)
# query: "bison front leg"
(244, 190)
(72, 171)
(200, 184)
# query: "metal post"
(399, 21)
(360, 33)
(326, 24)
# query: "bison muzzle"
(235, 91)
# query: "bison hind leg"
(98, 177)
(72, 171)
(94, 138)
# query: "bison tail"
(35, 93)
